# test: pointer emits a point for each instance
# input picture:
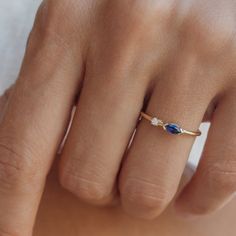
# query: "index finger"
(32, 127)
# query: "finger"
(215, 180)
(112, 96)
(32, 127)
(106, 116)
(153, 168)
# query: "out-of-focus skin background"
(16, 20)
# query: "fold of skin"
(63, 214)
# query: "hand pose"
(174, 60)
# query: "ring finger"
(155, 162)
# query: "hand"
(175, 59)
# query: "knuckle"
(145, 195)
(45, 20)
(53, 23)
(57, 33)
(137, 16)
(85, 187)
(49, 15)
(210, 33)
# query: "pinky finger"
(214, 183)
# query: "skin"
(60, 213)
(112, 59)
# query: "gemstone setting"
(155, 121)
(173, 128)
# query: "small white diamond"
(155, 121)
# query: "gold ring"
(171, 128)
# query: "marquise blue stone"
(173, 129)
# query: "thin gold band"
(169, 127)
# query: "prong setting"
(171, 128)
(156, 122)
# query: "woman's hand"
(114, 58)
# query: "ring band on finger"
(171, 128)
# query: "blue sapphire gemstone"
(173, 129)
